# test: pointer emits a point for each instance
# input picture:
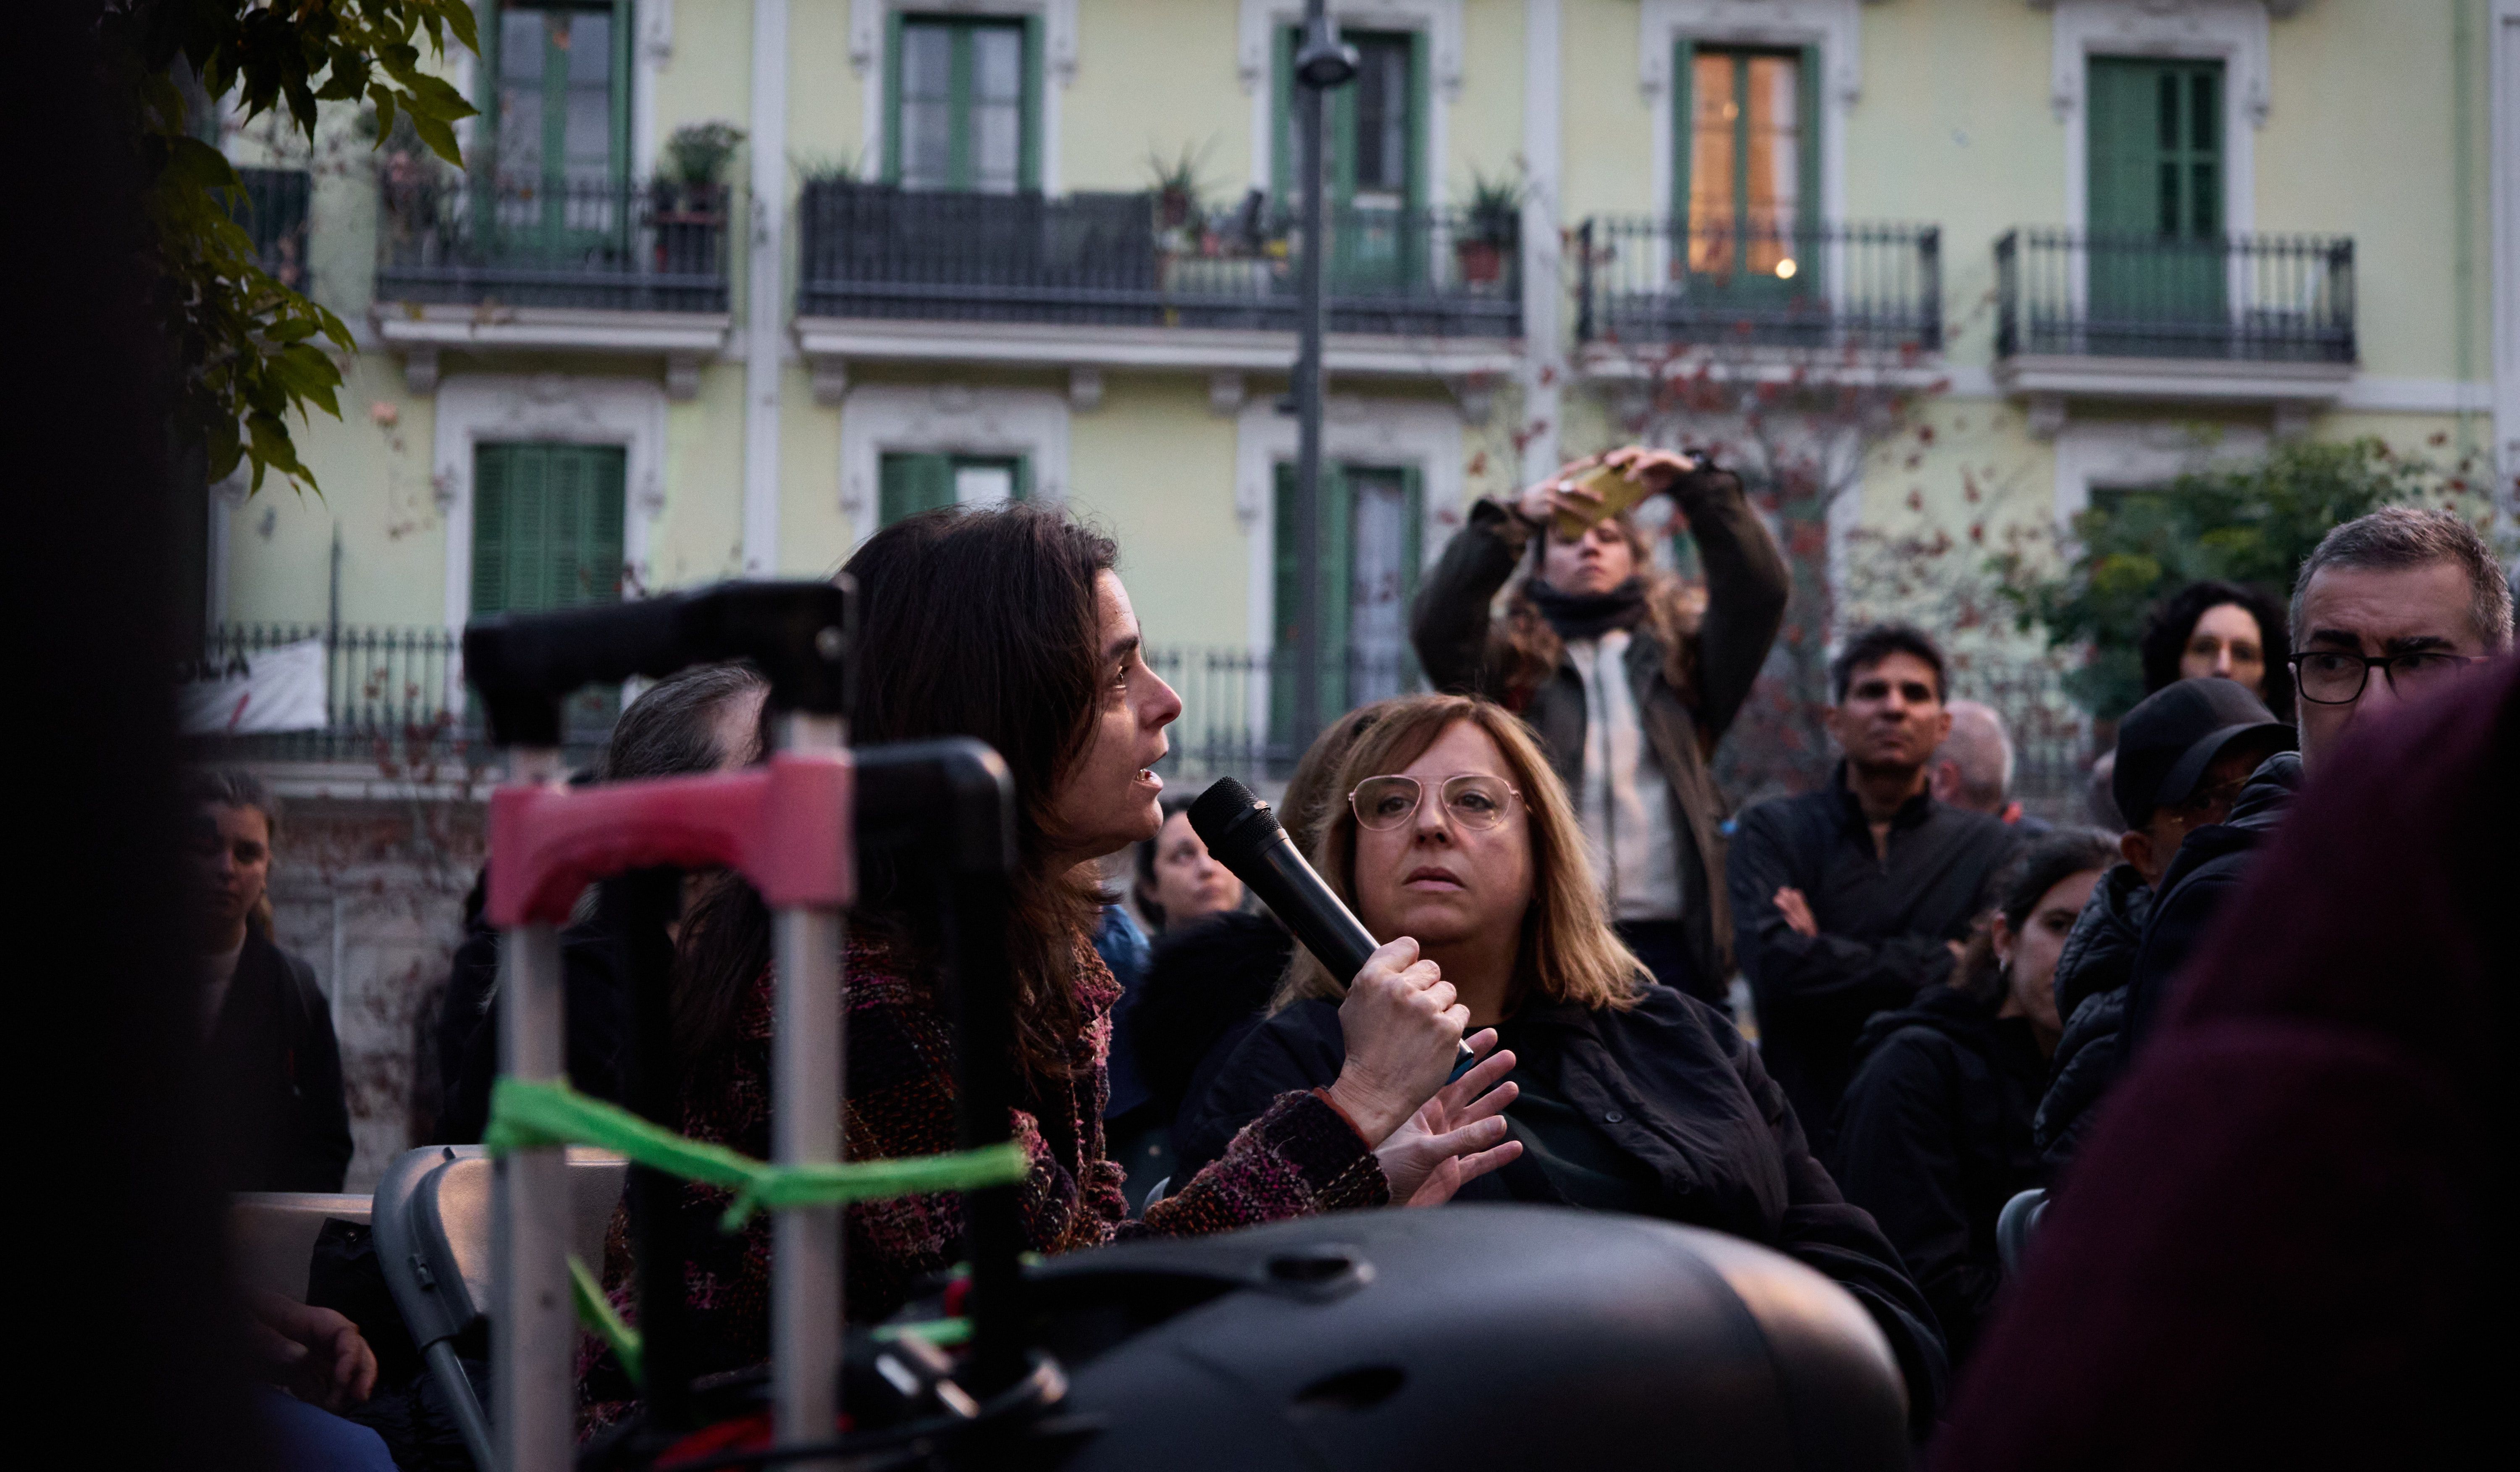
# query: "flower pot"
(1482, 262)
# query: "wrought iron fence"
(875, 251)
(391, 698)
(2267, 299)
(1872, 286)
(2051, 736)
(624, 247)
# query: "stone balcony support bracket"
(678, 342)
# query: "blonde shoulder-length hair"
(1568, 952)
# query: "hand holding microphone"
(1401, 1019)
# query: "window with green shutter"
(560, 109)
(1376, 146)
(1372, 524)
(1746, 160)
(2154, 152)
(963, 96)
(547, 525)
(913, 483)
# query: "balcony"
(606, 268)
(1650, 292)
(390, 701)
(2256, 319)
(1098, 280)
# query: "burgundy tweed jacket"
(1300, 1157)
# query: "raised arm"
(1448, 625)
(1746, 587)
(1814, 977)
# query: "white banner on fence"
(269, 690)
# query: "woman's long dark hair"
(2167, 627)
(976, 623)
(2017, 889)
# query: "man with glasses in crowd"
(2390, 608)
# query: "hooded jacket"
(2092, 974)
(1746, 586)
(1934, 1137)
(2200, 881)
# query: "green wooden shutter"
(1338, 587)
(892, 96)
(1809, 258)
(1419, 165)
(2154, 280)
(1684, 133)
(1282, 119)
(492, 470)
(914, 483)
(2119, 146)
(1338, 537)
(1023, 478)
(623, 20)
(1028, 126)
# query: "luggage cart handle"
(525, 664)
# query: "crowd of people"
(1946, 988)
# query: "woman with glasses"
(1627, 1095)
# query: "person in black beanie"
(1628, 687)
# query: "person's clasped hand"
(1402, 1024)
(1458, 1136)
(314, 1353)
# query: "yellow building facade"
(967, 249)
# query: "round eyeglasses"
(2329, 677)
(1472, 799)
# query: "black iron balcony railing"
(393, 700)
(619, 247)
(274, 213)
(1874, 288)
(873, 250)
(2266, 298)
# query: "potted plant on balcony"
(689, 195)
(1491, 228)
(1177, 188)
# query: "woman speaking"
(1012, 627)
(1628, 1095)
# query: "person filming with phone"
(1627, 687)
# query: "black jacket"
(2200, 881)
(1934, 1137)
(1884, 926)
(1678, 1088)
(2092, 974)
(272, 1077)
(1746, 586)
(596, 965)
(1205, 986)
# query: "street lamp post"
(1322, 63)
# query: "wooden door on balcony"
(560, 132)
(547, 534)
(1373, 146)
(1371, 546)
(1747, 188)
(2155, 273)
(964, 94)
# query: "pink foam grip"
(785, 826)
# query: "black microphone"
(1243, 834)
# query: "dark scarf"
(1590, 615)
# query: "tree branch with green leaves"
(249, 344)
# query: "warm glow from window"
(1785, 268)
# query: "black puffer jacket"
(1934, 1137)
(2091, 977)
(2209, 867)
(1676, 1088)
(1205, 986)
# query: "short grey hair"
(2404, 536)
(1980, 748)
